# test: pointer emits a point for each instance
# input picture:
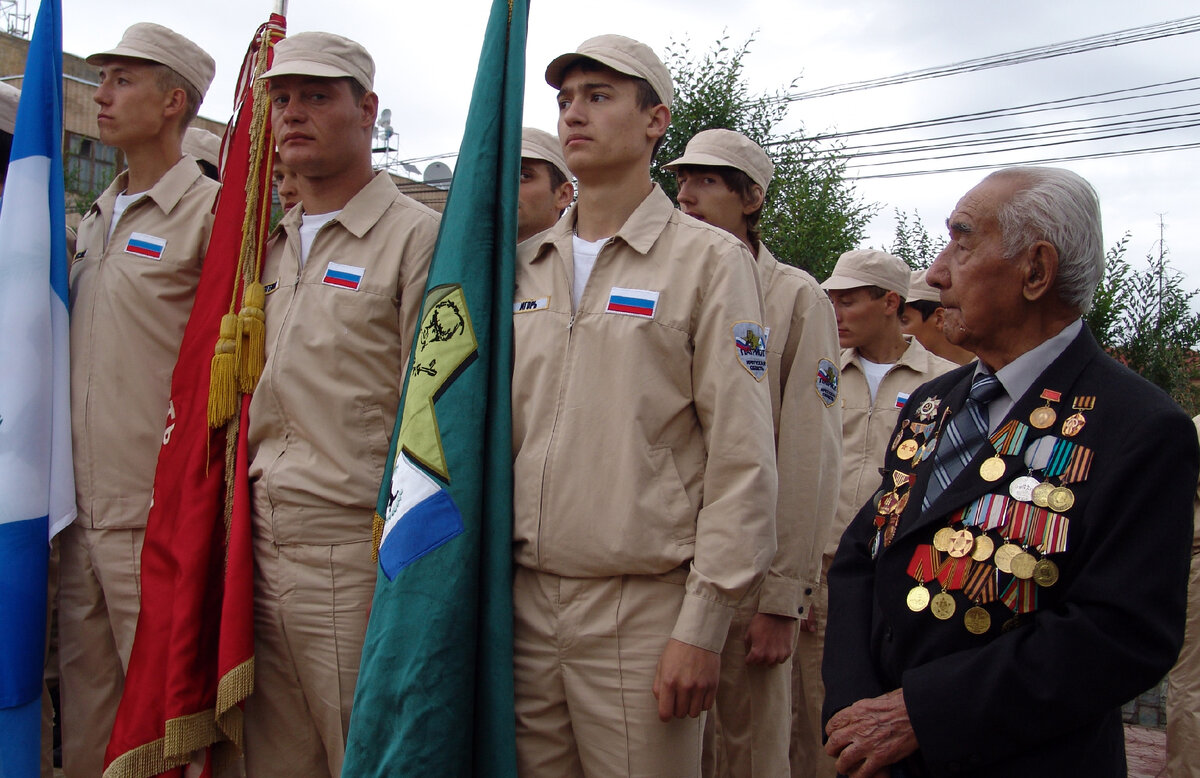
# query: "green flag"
(435, 686)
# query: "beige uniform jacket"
(643, 443)
(867, 428)
(131, 296)
(339, 331)
(802, 356)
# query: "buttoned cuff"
(703, 623)
(781, 596)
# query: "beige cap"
(868, 267)
(919, 288)
(9, 97)
(726, 148)
(539, 144)
(203, 144)
(324, 55)
(624, 55)
(156, 43)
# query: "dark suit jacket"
(1044, 698)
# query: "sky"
(426, 55)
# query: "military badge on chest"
(1000, 547)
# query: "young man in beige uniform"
(644, 464)
(133, 279)
(723, 177)
(546, 189)
(924, 317)
(880, 367)
(1183, 688)
(345, 275)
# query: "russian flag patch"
(901, 399)
(142, 245)
(345, 276)
(632, 302)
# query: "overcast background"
(426, 54)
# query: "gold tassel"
(252, 337)
(222, 388)
(376, 536)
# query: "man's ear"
(754, 201)
(1041, 270)
(660, 120)
(175, 103)
(370, 109)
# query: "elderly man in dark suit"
(1022, 570)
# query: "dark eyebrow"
(958, 226)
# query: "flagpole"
(281, 7)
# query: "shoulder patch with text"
(827, 381)
(751, 347)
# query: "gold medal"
(1042, 417)
(906, 449)
(984, 546)
(1060, 499)
(978, 620)
(1041, 494)
(1022, 565)
(961, 543)
(942, 605)
(941, 539)
(918, 599)
(1045, 572)
(889, 533)
(992, 469)
(1004, 556)
(887, 503)
(1073, 424)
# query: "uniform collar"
(639, 232)
(166, 192)
(360, 213)
(914, 357)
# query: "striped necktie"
(963, 437)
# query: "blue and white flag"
(37, 488)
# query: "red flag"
(193, 654)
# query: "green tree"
(812, 213)
(913, 243)
(1145, 319)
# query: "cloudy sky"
(426, 54)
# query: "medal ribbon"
(1051, 396)
(981, 583)
(1054, 537)
(1020, 595)
(997, 512)
(924, 562)
(1059, 458)
(1077, 469)
(1010, 438)
(953, 572)
(1018, 524)
(1084, 402)
(1038, 454)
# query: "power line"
(1184, 26)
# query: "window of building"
(90, 165)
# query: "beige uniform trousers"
(98, 600)
(1183, 692)
(586, 653)
(808, 756)
(308, 634)
(752, 713)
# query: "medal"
(977, 620)
(1060, 499)
(1045, 573)
(899, 479)
(1022, 565)
(1073, 424)
(906, 449)
(1004, 556)
(928, 408)
(941, 539)
(942, 605)
(1022, 488)
(992, 469)
(918, 598)
(984, 546)
(1044, 416)
(899, 434)
(888, 503)
(1041, 493)
(961, 543)
(1010, 625)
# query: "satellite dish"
(438, 174)
(385, 117)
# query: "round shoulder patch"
(827, 381)
(750, 344)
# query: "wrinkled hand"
(769, 639)
(870, 735)
(685, 683)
